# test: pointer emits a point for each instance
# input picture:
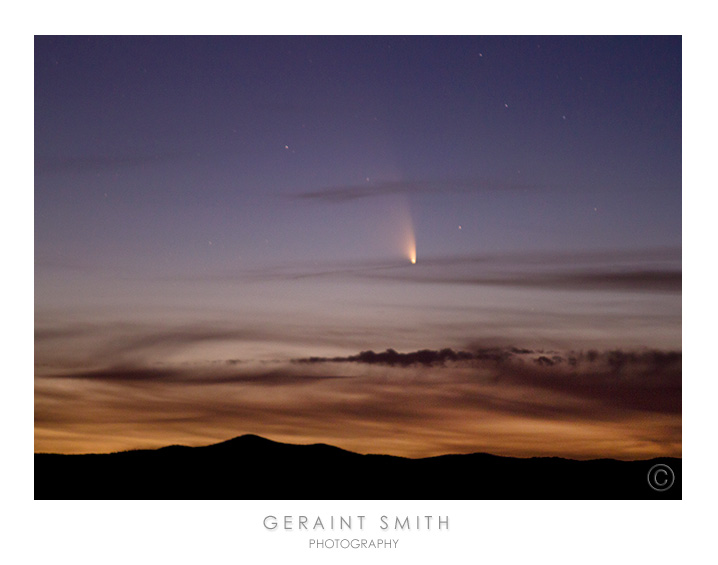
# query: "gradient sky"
(223, 224)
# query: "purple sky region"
(210, 211)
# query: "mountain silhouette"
(251, 467)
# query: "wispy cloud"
(347, 193)
(609, 279)
(426, 357)
(645, 380)
(650, 270)
(123, 345)
(210, 374)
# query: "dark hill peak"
(246, 440)
(253, 443)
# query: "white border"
(231, 532)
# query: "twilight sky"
(222, 225)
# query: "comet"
(410, 241)
(405, 228)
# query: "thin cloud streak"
(638, 280)
(198, 375)
(348, 193)
(651, 270)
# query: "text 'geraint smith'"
(355, 522)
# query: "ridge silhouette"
(251, 467)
